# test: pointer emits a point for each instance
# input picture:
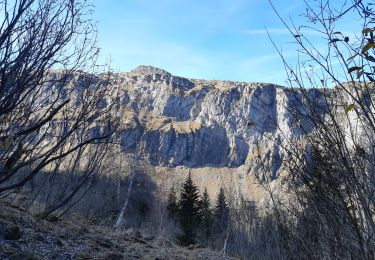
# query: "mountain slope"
(24, 236)
(197, 123)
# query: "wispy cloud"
(283, 31)
(264, 31)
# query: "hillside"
(228, 135)
(24, 236)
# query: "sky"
(206, 39)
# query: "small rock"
(194, 246)
(12, 232)
(61, 242)
(139, 240)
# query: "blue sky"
(212, 39)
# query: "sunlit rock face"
(196, 123)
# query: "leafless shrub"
(329, 211)
(55, 114)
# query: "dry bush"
(329, 211)
(55, 114)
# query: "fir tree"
(221, 213)
(189, 212)
(172, 206)
(207, 218)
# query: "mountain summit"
(143, 69)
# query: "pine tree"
(221, 213)
(189, 212)
(172, 206)
(207, 217)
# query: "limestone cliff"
(197, 123)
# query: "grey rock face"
(177, 121)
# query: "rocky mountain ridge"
(175, 121)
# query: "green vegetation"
(189, 212)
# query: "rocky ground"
(24, 236)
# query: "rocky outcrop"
(177, 121)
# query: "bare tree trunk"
(118, 190)
(120, 219)
(226, 242)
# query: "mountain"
(174, 121)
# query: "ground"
(24, 236)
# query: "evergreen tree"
(207, 217)
(189, 212)
(172, 206)
(221, 213)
